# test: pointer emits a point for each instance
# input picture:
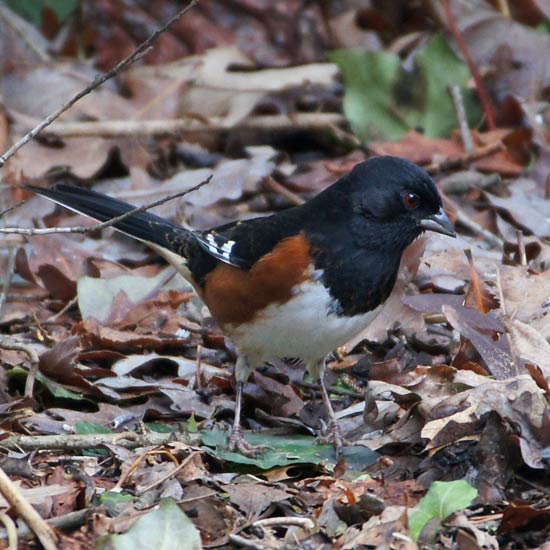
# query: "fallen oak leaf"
(485, 332)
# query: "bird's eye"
(411, 200)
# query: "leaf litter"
(445, 396)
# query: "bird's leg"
(334, 436)
(237, 442)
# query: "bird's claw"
(238, 444)
(333, 436)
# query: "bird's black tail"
(143, 226)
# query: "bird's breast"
(307, 326)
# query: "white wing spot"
(226, 249)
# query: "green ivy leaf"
(287, 450)
(83, 427)
(442, 499)
(384, 100)
(33, 9)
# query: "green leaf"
(383, 100)
(115, 502)
(165, 528)
(33, 9)
(58, 391)
(90, 428)
(442, 499)
(287, 450)
(192, 425)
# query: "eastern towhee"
(299, 283)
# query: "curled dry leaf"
(519, 401)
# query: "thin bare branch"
(6, 282)
(80, 229)
(191, 127)
(70, 442)
(460, 110)
(13, 495)
(11, 208)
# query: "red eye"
(411, 200)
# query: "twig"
(521, 247)
(190, 126)
(507, 333)
(33, 356)
(304, 523)
(6, 283)
(504, 8)
(10, 208)
(66, 522)
(169, 475)
(283, 191)
(70, 442)
(135, 464)
(461, 182)
(103, 225)
(458, 102)
(11, 530)
(198, 373)
(465, 159)
(462, 46)
(63, 310)
(474, 227)
(13, 495)
(98, 81)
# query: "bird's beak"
(438, 222)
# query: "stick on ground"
(13, 495)
(79, 229)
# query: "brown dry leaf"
(522, 517)
(281, 398)
(469, 535)
(94, 335)
(56, 261)
(530, 345)
(479, 296)
(61, 358)
(58, 82)
(424, 151)
(526, 208)
(379, 531)
(444, 265)
(518, 401)
(524, 294)
(209, 86)
(254, 498)
(486, 334)
(512, 50)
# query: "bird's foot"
(333, 435)
(238, 444)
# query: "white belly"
(303, 327)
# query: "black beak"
(438, 222)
